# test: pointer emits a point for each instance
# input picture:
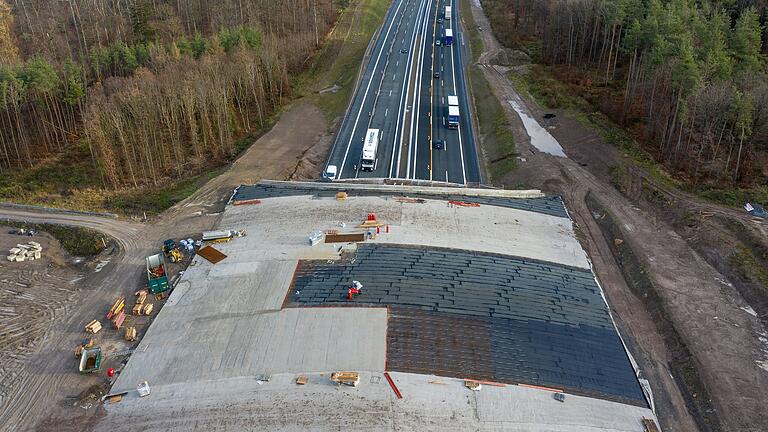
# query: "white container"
(315, 238)
(143, 389)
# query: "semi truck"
(447, 12)
(157, 277)
(453, 117)
(453, 112)
(448, 36)
(370, 147)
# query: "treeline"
(72, 28)
(156, 89)
(691, 72)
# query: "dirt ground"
(32, 294)
(45, 304)
(710, 331)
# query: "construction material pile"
(25, 252)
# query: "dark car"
(438, 144)
(437, 75)
(404, 50)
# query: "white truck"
(447, 12)
(448, 37)
(370, 147)
(453, 112)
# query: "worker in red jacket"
(355, 289)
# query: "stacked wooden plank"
(141, 297)
(118, 320)
(137, 309)
(93, 327)
(116, 308)
(130, 334)
(346, 378)
(147, 309)
(650, 425)
(25, 252)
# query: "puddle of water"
(540, 137)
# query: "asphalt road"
(398, 94)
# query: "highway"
(399, 94)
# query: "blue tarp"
(756, 210)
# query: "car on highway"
(438, 144)
(437, 42)
(404, 50)
(330, 173)
(437, 75)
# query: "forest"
(686, 77)
(154, 89)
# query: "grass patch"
(72, 169)
(493, 126)
(495, 134)
(476, 45)
(158, 199)
(736, 197)
(748, 266)
(77, 241)
(341, 58)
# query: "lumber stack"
(118, 320)
(147, 310)
(116, 308)
(130, 334)
(25, 252)
(346, 378)
(93, 327)
(137, 309)
(141, 297)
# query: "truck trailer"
(157, 276)
(447, 12)
(448, 36)
(453, 112)
(370, 147)
(453, 117)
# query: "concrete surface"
(185, 346)
(429, 403)
(224, 329)
(288, 221)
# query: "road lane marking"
(458, 128)
(419, 75)
(403, 109)
(368, 87)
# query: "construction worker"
(356, 289)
